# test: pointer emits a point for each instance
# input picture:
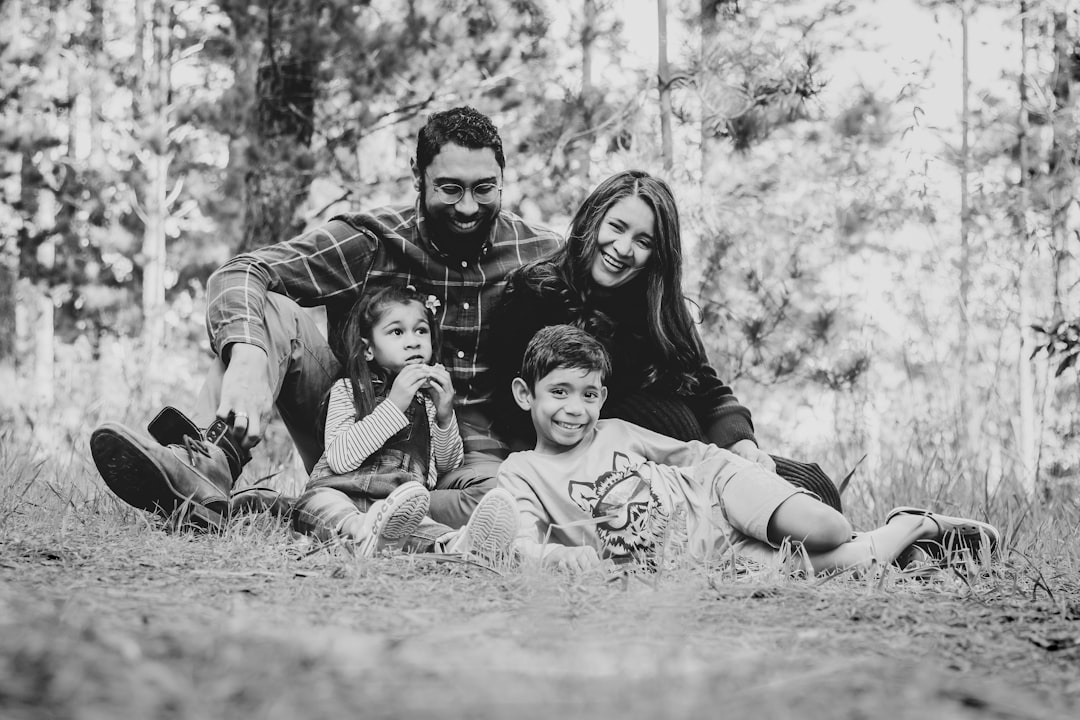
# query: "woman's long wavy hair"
(670, 329)
(356, 334)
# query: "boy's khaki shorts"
(747, 501)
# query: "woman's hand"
(441, 389)
(407, 383)
(749, 450)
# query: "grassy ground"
(105, 615)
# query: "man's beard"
(452, 242)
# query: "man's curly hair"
(464, 126)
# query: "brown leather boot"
(187, 481)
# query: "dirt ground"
(102, 615)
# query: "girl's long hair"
(669, 327)
(363, 316)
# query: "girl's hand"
(441, 389)
(407, 383)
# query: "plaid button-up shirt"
(332, 265)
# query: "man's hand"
(749, 450)
(573, 559)
(246, 395)
(441, 389)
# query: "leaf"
(1067, 363)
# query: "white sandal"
(954, 532)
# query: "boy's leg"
(770, 509)
(879, 546)
(817, 526)
(903, 529)
(458, 492)
(766, 509)
(490, 531)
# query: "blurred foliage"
(820, 204)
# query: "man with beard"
(455, 244)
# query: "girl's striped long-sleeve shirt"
(349, 442)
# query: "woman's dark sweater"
(640, 388)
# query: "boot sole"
(140, 481)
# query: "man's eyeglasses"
(483, 194)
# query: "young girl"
(390, 430)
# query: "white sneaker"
(391, 521)
(490, 530)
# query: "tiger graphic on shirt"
(632, 511)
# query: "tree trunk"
(95, 44)
(968, 419)
(664, 81)
(283, 121)
(9, 266)
(42, 322)
(709, 28)
(10, 192)
(1061, 166)
(1026, 376)
(587, 98)
(155, 32)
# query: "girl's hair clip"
(432, 303)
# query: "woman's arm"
(723, 418)
(725, 421)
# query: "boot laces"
(195, 447)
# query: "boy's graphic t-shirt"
(624, 491)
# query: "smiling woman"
(619, 277)
(625, 243)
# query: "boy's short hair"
(563, 346)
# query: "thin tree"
(282, 122)
(587, 99)
(965, 202)
(1061, 167)
(153, 21)
(664, 82)
(9, 254)
(709, 25)
(1025, 374)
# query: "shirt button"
(461, 353)
(464, 264)
(465, 305)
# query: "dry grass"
(104, 615)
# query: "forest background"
(878, 197)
